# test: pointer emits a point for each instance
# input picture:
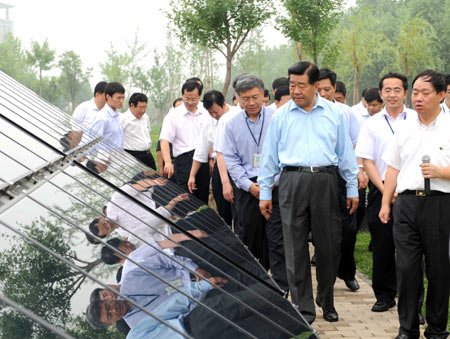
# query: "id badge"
(256, 160)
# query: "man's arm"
(165, 151)
(167, 135)
(227, 188)
(390, 183)
(372, 172)
(179, 237)
(194, 170)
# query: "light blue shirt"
(107, 125)
(240, 146)
(172, 311)
(145, 289)
(298, 138)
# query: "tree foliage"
(220, 25)
(41, 58)
(310, 22)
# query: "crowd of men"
(299, 169)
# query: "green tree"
(220, 25)
(159, 93)
(72, 75)
(116, 66)
(41, 58)
(310, 22)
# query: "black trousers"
(202, 324)
(143, 156)
(422, 228)
(347, 266)
(223, 206)
(361, 211)
(182, 167)
(311, 201)
(384, 281)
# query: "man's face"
(284, 99)
(252, 100)
(374, 107)
(113, 310)
(302, 92)
(191, 100)
(266, 101)
(101, 99)
(216, 111)
(115, 101)
(424, 97)
(105, 227)
(326, 89)
(139, 110)
(107, 295)
(392, 93)
(339, 97)
(126, 247)
(447, 96)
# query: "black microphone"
(426, 160)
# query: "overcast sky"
(88, 27)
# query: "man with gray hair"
(242, 145)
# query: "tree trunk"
(228, 76)
(356, 86)
(40, 82)
(299, 49)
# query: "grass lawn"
(363, 260)
(154, 136)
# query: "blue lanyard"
(385, 117)
(260, 133)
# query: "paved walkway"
(356, 320)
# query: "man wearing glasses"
(181, 127)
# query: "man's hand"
(191, 184)
(394, 197)
(199, 234)
(384, 214)
(265, 207)
(201, 274)
(228, 192)
(218, 281)
(352, 203)
(168, 169)
(363, 180)
(254, 190)
(430, 171)
(100, 166)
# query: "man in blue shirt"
(308, 139)
(243, 141)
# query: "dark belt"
(137, 152)
(311, 169)
(422, 193)
(189, 154)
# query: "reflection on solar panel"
(159, 262)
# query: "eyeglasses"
(247, 99)
(191, 100)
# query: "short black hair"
(213, 97)
(281, 92)
(190, 86)
(137, 97)
(108, 255)
(340, 88)
(279, 82)
(175, 101)
(100, 87)
(372, 94)
(447, 80)
(305, 68)
(197, 80)
(114, 87)
(93, 227)
(119, 274)
(266, 93)
(326, 73)
(64, 142)
(391, 75)
(95, 295)
(364, 91)
(93, 314)
(436, 79)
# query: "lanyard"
(260, 133)
(385, 117)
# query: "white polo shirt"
(376, 134)
(136, 132)
(218, 145)
(445, 107)
(182, 128)
(84, 114)
(411, 142)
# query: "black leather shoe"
(402, 336)
(352, 285)
(313, 260)
(421, 319)
(330, 315)
(382, 306)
